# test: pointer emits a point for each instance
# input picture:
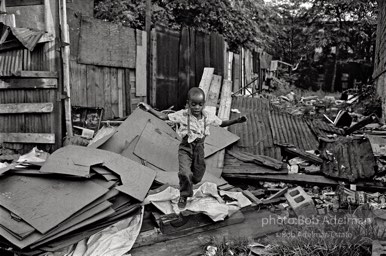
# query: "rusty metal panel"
(255, 135)
(292, 130)
(349, 158)
(323, 129)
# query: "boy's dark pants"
(191, 165)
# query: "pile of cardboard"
(77, 192)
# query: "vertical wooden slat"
(91, 76)
(114, 92)
(107, 93)
(140, 86)
(99, 89)
(82, 85)
(127, 91)
(120, 92)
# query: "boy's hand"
(242, 119)
(144, 106)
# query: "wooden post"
(66, 65)
(150, 97)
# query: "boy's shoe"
(182, 202)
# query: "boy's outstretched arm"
(241, 119)
(152, 111)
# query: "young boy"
(192, 126)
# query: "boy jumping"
(192, 126)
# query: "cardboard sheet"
(158, 148)
(132, 127)
(32, 199)
(136, 178)
(218, 139)
(19, 228)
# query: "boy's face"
(196, 104)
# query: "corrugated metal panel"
(322, 129)
(268, 127)
(347, 158)
(28, 37)
(289, 129)
(255, 135)
(21, 59)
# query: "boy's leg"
(184, 173)
(198, 165)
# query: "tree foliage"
(242, 23)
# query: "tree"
(242, 23)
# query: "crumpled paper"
(205, 199)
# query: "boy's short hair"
(195, 91)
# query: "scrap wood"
(277, 194)
(171, 178)
(257, 159)
(293, 151)
(368, 120)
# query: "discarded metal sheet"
(158, 148)
(257, 159)
(348, 158)
(32, 198)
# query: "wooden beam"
(18, 108)
(213, 94)
(36, 74)
(23, 2)
(44, 138)
(28, 83)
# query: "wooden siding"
(380, 55)
(110, 88)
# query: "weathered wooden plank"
(114, 44)
(127, 87)
(107, 93)
(114, 92)
(206, 80)
(23, 2)
(38, 74)
(99, 88)
(82, 85)
(74, 83)
(90, 85)
(26, 108)
(140, 65)
(45, 138)
(120, 93)
(213, 94)
(28, 83)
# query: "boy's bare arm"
(152, 111)
(241, 119)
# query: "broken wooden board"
(28, 83)
(114, 44)
(378, 144)
(297, 178)
(191, 243)
(171, 224)
(213, 94)
(158, 148)
(236, 166)
(206, 80)
(293, 151)
(16, 194)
